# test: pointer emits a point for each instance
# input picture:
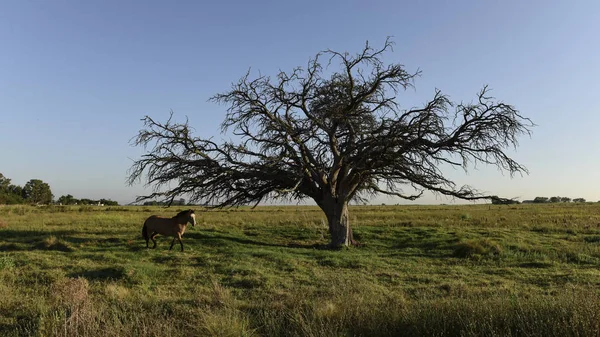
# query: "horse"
(174, 227)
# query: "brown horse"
(174, 227)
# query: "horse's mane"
(183, 212)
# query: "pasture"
(472, 270)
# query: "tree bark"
(339, 223)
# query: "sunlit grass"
(421, 270)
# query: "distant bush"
(471, 248)
(55, 209)
(10, 199)
(20, 210)
(54, 243)
(117, 209)
(86, 208)
(7, 262)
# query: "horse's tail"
(145, 232)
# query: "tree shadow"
(59, 240)
(55, 245)
(136, 248)
(535, 264)
(25, 236)
(425, 243)
(318, 246)
(112, 240)
(172, 260)
(220, 239)
(10, 247)
(19, 240)
(103, 274)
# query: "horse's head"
(188, 215)
(192, 217)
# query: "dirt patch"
(3, 224)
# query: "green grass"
(422, 270)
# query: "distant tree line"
(37, 192)
(180, 202)
(544, 200)
(537, 200)
(70, 200)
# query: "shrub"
(7, 262)
(53, 243)
(472, 248)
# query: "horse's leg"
(172, 243)
(145, 234)
(154, 234)
(180, 242)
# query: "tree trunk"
(339, 223)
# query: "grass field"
(477, 270)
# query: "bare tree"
(332, 138)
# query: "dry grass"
(427, 270)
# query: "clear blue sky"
(77, 76)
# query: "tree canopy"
(9, 193)
(36, 191)
(332, 137)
